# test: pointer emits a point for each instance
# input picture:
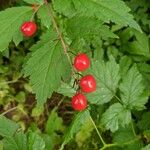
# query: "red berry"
(28, 28)
(88, 84)
(79, 102)
(81, 62)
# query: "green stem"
(120, 145)
(109, 145)
(97, 131)
(132, 125)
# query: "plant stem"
(109, 145)
(31, 19)
(9, 110)
(97, 131)
(132, 125)
(120, 145)
(50, 11)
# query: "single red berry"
(88, 84)
(28, 28)
(79, 102)
(81, 62)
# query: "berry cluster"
(81, 63)
(86, 83)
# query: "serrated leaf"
(39, 2)
(43, 14)
(84, 27)
(77, 123)
(17, 142)
(46, 66)
(107, 10)
(115, 116)
(35, 142)
(146, 147)
(65, 7)
(107, 77)
(7, 127)
(132, 89)
(11, 20)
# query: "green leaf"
(54, 123)
(107, 10)
(140, 46)
(43, 14)
(11, 20)
(146, 135)
(115, 116)
(126, 135)
(46, 66)
(39, 2)
(65, 7)
(107, 77)
(35, 142)
(83, 135)
(76, 125)
(125, 63)
(6, 124)
(1, 145)
(132, 89)
(144, 123)
(17, 142)
(67, 89)
(84, 27)
(146, 147)
(49, 144)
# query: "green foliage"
(17, 142)
(146, 147)
(107, 77)
(105, 10)
(11, 20)
(132, 89)
(43, 16)
(126, 135)
(35, 141)
(116, 115)
(49, 64)
(77, 123)
(120, 54)
(39, 2)
(6, 124)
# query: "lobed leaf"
(107, 77)
(115, 116)
(132, 89)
